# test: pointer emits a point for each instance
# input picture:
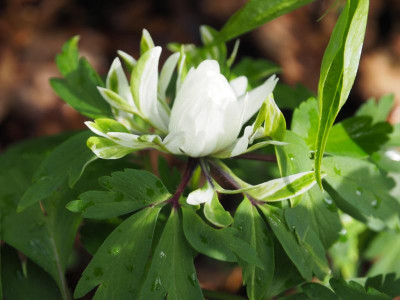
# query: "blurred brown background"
(33, 31)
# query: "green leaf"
(253, 230)
(119, 264)
(352, 290)
(338, 70)
(361, 190)
(219, 244)
(93, 233)
(79, 87)
(318, 212)
(315, 291)
(66, 163)
(108, 149)
(305, 121)
(170, 176)
(378, 110)
(67, 61)
(357, 137)
(288, 97)
(128, 190)
(345, 253)
(300, 251)
(387, 284)
(171, 274)
(25, 280)
(216, 213)
(255, 13)
(255, 70)
(384, 251)
(278, 189)
(286, 275)
(217, 52)
(274, 122)
(44, 233)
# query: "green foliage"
(128, 247)
(256, 70)
(142, 231)
(25, 280)
(252, 229)
(338, 70)
(79, 86)
(254, 14)
(307, 255)
(66, 163)
(360, 189)
(121, 198)
(378, 111)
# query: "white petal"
(129, 61)
(206, 110)
(257, 96)
(92, 126)
(166, 74)
(200, 196)
(117, 73)
(144, 87)
(239, 85)
(174, 141)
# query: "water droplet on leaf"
(337, 170)
(193, 279)
(157, 284)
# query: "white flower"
(207, 115)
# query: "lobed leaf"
(66, 163)
(79, 89)
(128, 191)
(361, 190)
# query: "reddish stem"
(233, 183)
(190, 167)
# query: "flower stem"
(205, 169)
(190, 167)
(225, 176)
(257, 156)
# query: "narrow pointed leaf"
(300, 253)
(219, 244)
(128, 247)
(171, 274)
(338, 70)
(255, 13)
(253, 229)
